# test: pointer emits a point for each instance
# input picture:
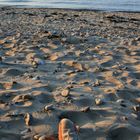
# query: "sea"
(103, 5)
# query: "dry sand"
(81, 65)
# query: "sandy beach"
(75, 64)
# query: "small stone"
(36, 78)
(54, 57)
(98, 101)
(65, 92)
(49, 107)
(34, 63)
(28, 119)
(120, 101)
(36, 137)
(136, 108)
(2, 41)
(96, 83)
(78, 128)
(86, 109)
(78, 66)
(43, 138)
(134, 115)
(8, 85)
(124, 118)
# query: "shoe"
(67, 130)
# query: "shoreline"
(70, 9)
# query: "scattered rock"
(8, 85)
(35, 64)
(43, 138)
(124, 118)
(2, 41)
(136, 108)
(36, 137)
(53, 57)
(49, 107)
(120, 101)
(98, 101)
(36, 77)
(96, 83)
(78, 128)
(65, 92)
(28, 119)
(85, 109)
(78, 66)
(54, 34)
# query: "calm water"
(109, 5)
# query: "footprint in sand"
(23, 100)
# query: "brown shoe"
(67, 130)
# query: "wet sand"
(81, 65)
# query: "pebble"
(98, 101)
(53, 57)
(124, 118)
(28, 119)
(8, 85)
(78, 66)
(120, 101)
(96, 83)
(49, 107)
(43, 138)
(34, 63)
(85, 109)
(65, 92)
(2, 41)
(36, 137)
(136, 108)
(36, 78)
(78, 128)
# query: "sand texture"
(81, 65)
